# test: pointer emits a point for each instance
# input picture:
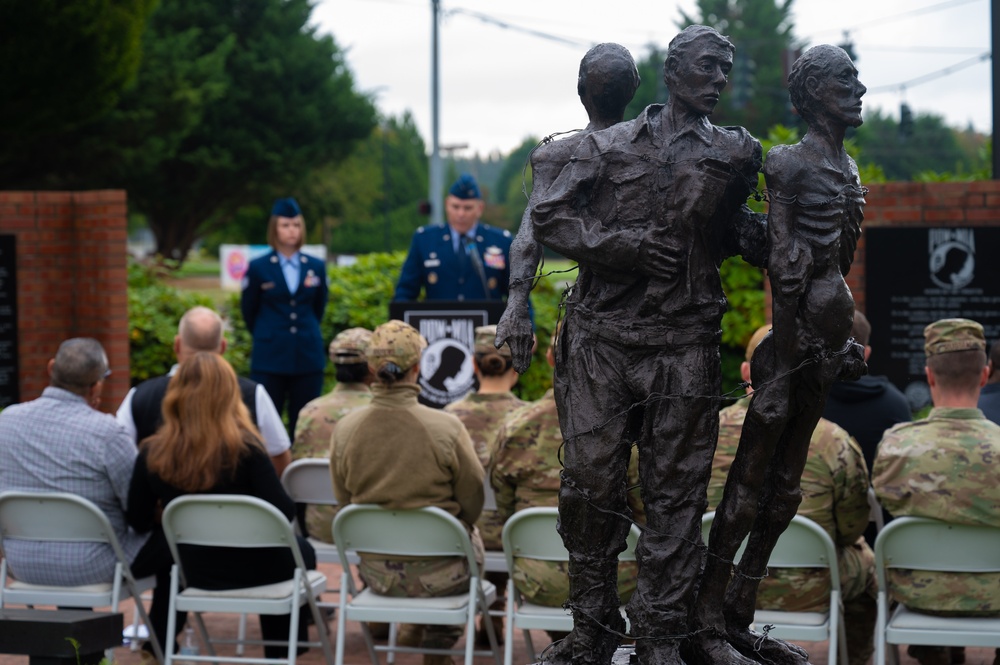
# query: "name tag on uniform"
(432, 263)
(267, 286)
(494, 258)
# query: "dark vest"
(147, 401)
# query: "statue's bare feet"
(559, 652)
(764, 649)
(709, 648)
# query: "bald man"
(201, 329)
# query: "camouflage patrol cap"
(756, 339)
(486, 342)
(395, 342)
(349, 347)
(950, 335)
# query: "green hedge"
(154, 310)
(360, 295)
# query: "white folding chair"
(64, 517)
(531, 534)
(875, 515)
(804, 544)
(919, 543)
(240, 522)
(309, 481)
(422, 532)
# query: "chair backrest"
(920, 543)
(531, 533)
(419, 532)
(875, 508)
(803, 544)
(55, 516)
(227, 520)
(309, 481)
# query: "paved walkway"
(226, 626)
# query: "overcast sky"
(500, 85)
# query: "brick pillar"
(72, 280)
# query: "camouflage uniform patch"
(483, 414)
(423, 578)
(313, 431)
(944, 467)
(525, 474)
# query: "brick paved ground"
(356, 654)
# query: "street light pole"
(437, 168)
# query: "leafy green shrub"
(360, 296)
(154, 309)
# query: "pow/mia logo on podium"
(446, 371)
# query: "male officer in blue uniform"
(462, 260)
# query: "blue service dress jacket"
(444, 274)
(285, 326)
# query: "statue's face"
(839, 92)
(698, 78)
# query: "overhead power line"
(516, 28)
(933, 75)
(948, 4)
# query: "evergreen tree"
(65, 65)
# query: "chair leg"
(390, 654)
(470, 623)
(881, 621)
(508, 638)
(293, 615)
(241, 635)
(484, 609)
(322, 629)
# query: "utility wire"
(933, 75)
(516, 28)
(902, 15)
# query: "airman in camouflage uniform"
(835, 496)
(483, 413)
(318, 418)
(525, 474)
(946, 467)
(400, 454)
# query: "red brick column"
(71, 280)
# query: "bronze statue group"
(649, 208)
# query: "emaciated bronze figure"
(814, 222)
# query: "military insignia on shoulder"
(493, 257)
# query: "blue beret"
(286, 208)
(465, 188)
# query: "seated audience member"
(318, 418)
(525, 474)
(400, 454)
(989, 396)
(201, 329)
(835, 496)
(482, 413)
(945, 467)
(60, 442)
(866, 408)
(207, 444)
